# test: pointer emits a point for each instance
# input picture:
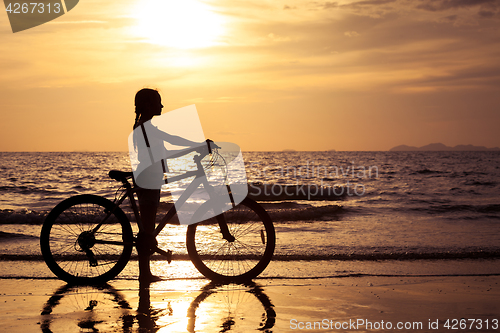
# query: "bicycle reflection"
(218, 308)
(86, 308)
(224, 307)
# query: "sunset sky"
(267, 75)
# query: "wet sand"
(344, 303)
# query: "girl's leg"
(148, 202)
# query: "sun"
(183, 24)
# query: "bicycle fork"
(210, 190)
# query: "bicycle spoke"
(246, 256)
(71, 248)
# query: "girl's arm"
(172, 139)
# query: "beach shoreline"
(285, 304)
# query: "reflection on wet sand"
(87, 308)
(218, 308)
(226, 306)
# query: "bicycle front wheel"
(242, 259)
(86, 239)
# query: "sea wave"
(14, 236)
(427, 172)
(278, 211)
(446, 255)
(289, 211)
(24, 216)
(303, 212)
(487, 209)
(353, 256)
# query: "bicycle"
(88, 239)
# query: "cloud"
(277, 38)
(439, 5)
(330, 5)
(373, 8)
(383, 8)
(476, 77)
(486, 13)
(353, 5)
(351, 34)
(370, 2)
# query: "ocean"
(354, 207)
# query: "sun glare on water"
(183, 24)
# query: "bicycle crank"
(86, 241)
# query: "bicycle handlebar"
(202, 149)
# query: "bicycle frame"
(200, 178)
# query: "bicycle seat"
(120, 175)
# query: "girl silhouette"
(147, 105)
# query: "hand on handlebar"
(211, 145)
(207, 147)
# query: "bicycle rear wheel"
(74, 251)
(244, 258)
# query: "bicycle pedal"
(167, 254)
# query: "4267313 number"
(33, 8)
(477, 324)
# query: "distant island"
(442, 147)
